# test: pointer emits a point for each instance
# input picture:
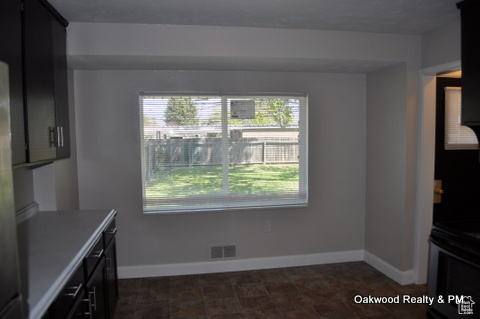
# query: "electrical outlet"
(267, 226)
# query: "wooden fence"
(162, 154)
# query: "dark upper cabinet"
(39, 84)
(11, 53)
(470, 35)
(45, 83)
(33, 38)
(60, 83)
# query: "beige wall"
(387, 228)
(109, 167)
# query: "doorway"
(457, 169)
(425, 164)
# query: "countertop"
(51, 246)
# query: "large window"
(220, 152)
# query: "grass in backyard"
(242, 179)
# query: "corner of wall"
(402, 277)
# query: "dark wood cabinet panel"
(11, 53)
(59, 38)
(96, 292)
(80, 309)
(92, 292)
(93, 257)
(39, 84)
(111, 277)
(70, 295)
(470, 35)
(33, 38)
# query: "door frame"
(425, 166)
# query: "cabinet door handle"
(94, 303)
(56, 136)
(75, 293)
(60, 138)
(89, 313)
(112, 230)
(97, 254)
(53, 136)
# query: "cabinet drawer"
(70, 294)
(96, 292)
(80, 308)
(93, 257)
(110, 232)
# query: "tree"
(148, 121)
(181, 111)
(280, 111)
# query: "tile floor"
(319, 291)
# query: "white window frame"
(226, 205)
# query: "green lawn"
(243, 179)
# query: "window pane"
(213, 152)
(183, 155)
(263, 146)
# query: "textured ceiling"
(386, 16)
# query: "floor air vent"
(216, 252)
(228, 251)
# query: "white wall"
(107, 121)
(386, 231)
(441, 46)
(166, 47)
(23, 188)
(335, 219)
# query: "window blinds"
(457, 136)
(223, 151)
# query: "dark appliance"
(454, 276)
(10, 296)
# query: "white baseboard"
(402, 277)
(238, 264)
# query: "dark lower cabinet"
(96, 293)
(80, 308)
(92, 291)
(111, 277)
(71, 294)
